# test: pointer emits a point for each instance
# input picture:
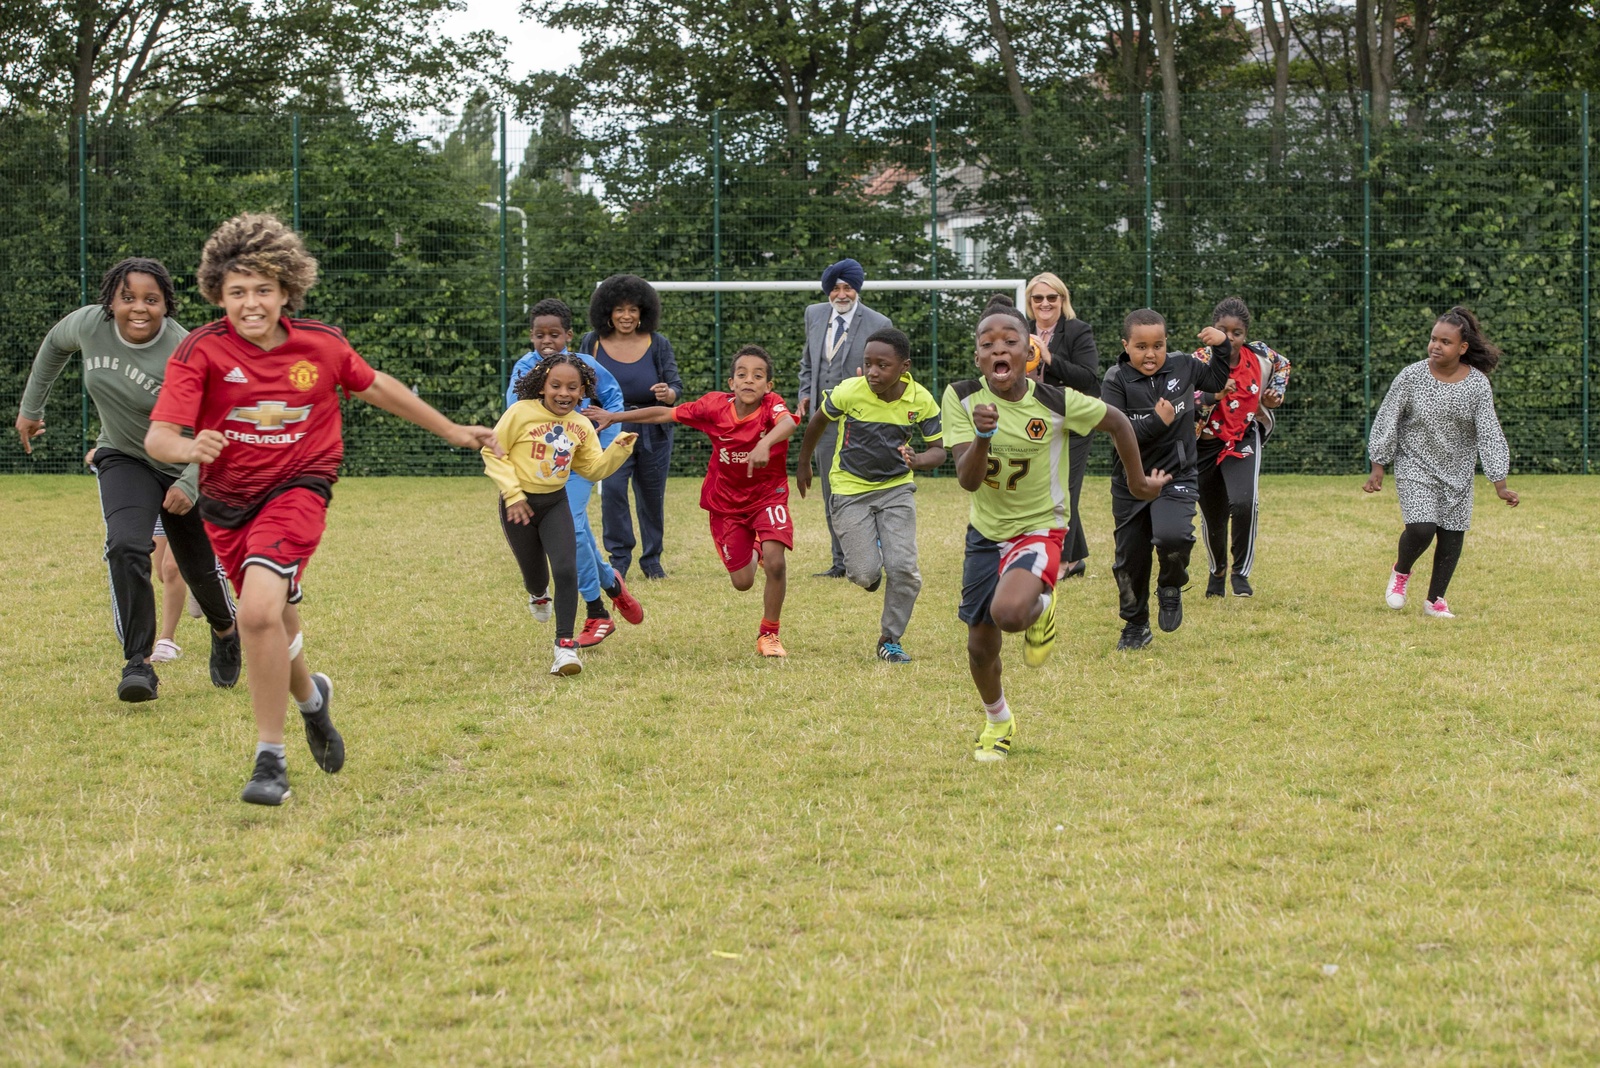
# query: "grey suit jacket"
(817, 373)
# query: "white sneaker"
(539, 605)
(166, 649)
(1395, 595)
(566, 662)
(1437, 609)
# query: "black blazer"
(1074, 358)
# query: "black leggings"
(131, 495)
(549, 534)
(1414, 541)
(1229, 492)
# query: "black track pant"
(1165, 527)
(131, 492)
(1414, 541)
(548, 535)
(1230, 493)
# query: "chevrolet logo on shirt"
(270, 415)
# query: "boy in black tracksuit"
(1155, 389)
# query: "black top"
(1168, 446)
(1074, 358)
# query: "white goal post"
(926, 285)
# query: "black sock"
(597, 609)
(612, 591)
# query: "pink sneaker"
(1395, 595)
(1437, 609)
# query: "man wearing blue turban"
(836, 340)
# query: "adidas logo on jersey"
(235, 375)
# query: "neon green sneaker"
(994, 741)
(1040, 637)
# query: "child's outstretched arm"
(594, 463)
(808, 445)
(656, 413)
(1213, 377)
(759, 455)
(387, 393)
(1143, 486)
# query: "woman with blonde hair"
(1071, 361)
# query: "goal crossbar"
(1019, 285)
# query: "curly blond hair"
(259, 244)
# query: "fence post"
(1366, 267)
(294, 154)
(716, 245)
(1586, 329)
(933, 238)
(83, 263)
(1149, 216)
(505, 368)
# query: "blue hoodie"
(605, 385)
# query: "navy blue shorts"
(1038, 552)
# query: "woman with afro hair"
(623, 316)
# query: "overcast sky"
(532, 47)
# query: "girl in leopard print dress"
(1434, 426)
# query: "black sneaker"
(1170, 616)
(891, 652)
(138, 683)
(1241, 587)
(269, 785)
(225, 659)
(1135, 636)
(1217, 586)
(327, 747)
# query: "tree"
(82, 57)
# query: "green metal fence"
(1346, 235)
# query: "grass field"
(1302, 830)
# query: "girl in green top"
(125, 341)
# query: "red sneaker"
(595, 631)
(626, 604)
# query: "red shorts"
(1038, 553)
(737, 535)
(280, 537)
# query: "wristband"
(981, 434)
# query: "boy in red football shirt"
(260, 392)
(746, 490)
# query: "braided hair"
(1001, 304)
(1482, 354)
(1234, 306)
(111, 285)
(531, 385)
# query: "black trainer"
(1217, 586)
(139, 682)
(225, 659)
(1135, 636)
(269, 784)
(326, 744)
(1170, 616)
(1241, 587)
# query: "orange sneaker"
(594, 632)
(769, 645)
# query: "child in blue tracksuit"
(550, 330)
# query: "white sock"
(311, 705)
(1044, 605)
(998, 712)
(275, 750)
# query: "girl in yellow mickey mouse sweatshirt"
(545, 438)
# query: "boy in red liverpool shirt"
(746, 490)
(259, 390)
